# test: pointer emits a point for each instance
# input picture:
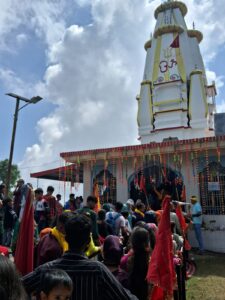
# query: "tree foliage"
(15, 173)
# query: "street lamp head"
(35, 99)
(32, 100)
(18, 97)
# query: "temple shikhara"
(179, 145)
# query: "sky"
(86, 59)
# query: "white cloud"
(21, 38)
(46, 18)
(212, 77)
(94, 72)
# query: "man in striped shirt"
(91, 279)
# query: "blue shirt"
(196, 208)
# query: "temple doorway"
(148, 183)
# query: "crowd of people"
(83, 252)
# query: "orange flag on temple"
(25, 243)
(96, 194)
(161, 269)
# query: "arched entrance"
(147, 184)
(106, 186)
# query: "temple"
(174, 98)
(179, 147)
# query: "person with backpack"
(117, 221)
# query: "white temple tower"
(174, 101)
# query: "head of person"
(106, 207)
(140, 206)
(112, 250)
(78, 200)
(91, 202)
(101, 215)
(194, 200)
(55, 285)
(2, 188)
(140, 241)
(125, 211)
(50, 190)
(61, 221)
(78, 226)
(130, 204)
(20, 182)
(72, 196)
(38, 193)
(8, 202)
(118, 206)
(58, 197)
(10, 283)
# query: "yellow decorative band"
(148, 44)
(194, 72)
(171, 5)
(170, 110)
(146, 82)
(195, 33)
(161, 103)
(168, 29)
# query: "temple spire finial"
(193, 25)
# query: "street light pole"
(33, 100)
(12, 146)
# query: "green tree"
(15, 173)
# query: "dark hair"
(64, 217)
(118, 206)
(139, 263)
(92, 199)
(151, 232)
(125, 214)
(139, 205)
(10, 284)
(106, 207)
(101, 214)
(78, 226)
(51, 279)
(50, 189)
(58, 195)
(72, 195)
(39, 191)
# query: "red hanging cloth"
(161, 269)
(25, 243)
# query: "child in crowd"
(55, 284)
